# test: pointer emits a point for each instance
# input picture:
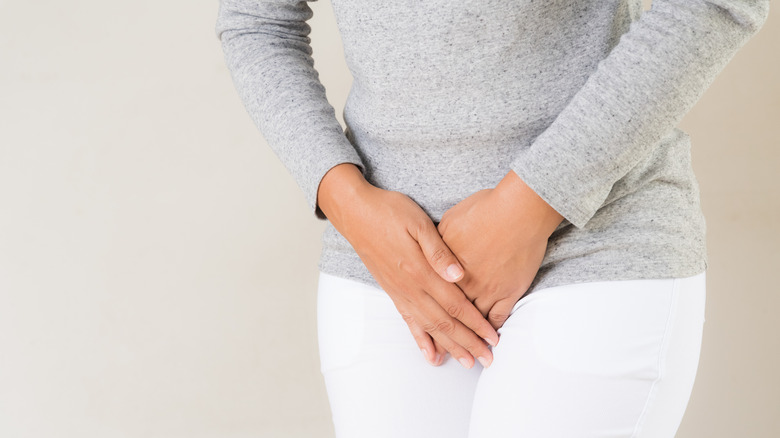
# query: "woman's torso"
(446, 93)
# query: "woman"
(507, 168)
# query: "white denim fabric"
(597, 359)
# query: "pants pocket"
(340, 321)
(609, 329)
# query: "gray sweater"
(580, 98)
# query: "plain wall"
(158, 264)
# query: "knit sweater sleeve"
(267, 49)
(639, 92)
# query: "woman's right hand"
(402, 248)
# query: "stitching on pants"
(661, 357)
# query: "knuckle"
(406, 266)
(419, 227)
(455, 310)
(408, 318)
(445, 326)
(498, 316)
(439, 255)
(429, 327)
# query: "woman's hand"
(403, 250)
(500, 237)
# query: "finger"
(437, 253)
(462, 343)
(452, 299)
(441, 352)
(457, 351)
(423, 339)
(483, 305)
(437, 332)
(500, 312)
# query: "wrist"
(339, 187)
(515, 192)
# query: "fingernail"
(483, 361)
(465, 362)
(426, 355)
(491, 342)
(454, 272)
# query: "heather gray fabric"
(580, 98)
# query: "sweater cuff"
(572, 201)
(323, 166)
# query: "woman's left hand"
(500, 237)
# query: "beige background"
(158, 264)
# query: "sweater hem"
(572, 271)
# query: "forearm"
(633, 98)
(537, 214)
(268, 53)
(340, 188)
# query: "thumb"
(438, 254)
(500, 312)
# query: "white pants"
(601, 359)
